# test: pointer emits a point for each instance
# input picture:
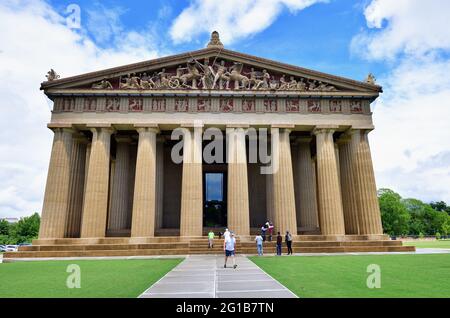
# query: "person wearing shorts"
(229, 246)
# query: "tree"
(440, 206)
(425, 219)
(25, 230)
(394, 215)
(4, 227)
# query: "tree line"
(24, 231)
(411, 216)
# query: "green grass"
(103, 278)
(346, 276)
(429, 244)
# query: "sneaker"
(234, 266)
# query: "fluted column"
(330, 202)
(307, 209)
(348, 186)
(159, 182)
(191, 215)
(283, 182)
(369, 210)
(95, 207)
(144, 202)
(56, 198)
(120, 191)
(238, 212)
(76, 188)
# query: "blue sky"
(317, 37)
(405, 43)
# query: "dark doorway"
(214, 208)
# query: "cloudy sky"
(405, 43)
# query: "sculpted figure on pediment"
(221, 76)
(240, 81)
(265, 79)
(208, 75)
(130, 82)
(103, 84)
(292, 83)
(283, 83)
(301, 85)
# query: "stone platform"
(173, 245)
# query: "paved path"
(203, 276)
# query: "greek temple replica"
(147, 158)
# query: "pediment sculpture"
(219, 75)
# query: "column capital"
(142, 130)
(109, 130)
(324, 129)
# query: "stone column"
(269, 197)
(144, 202)
(330, 202)
(120, 191)
(348, 186)
(159, 182)
(56, 198)
(283, 182)
(238, 212)
(76, 188)
(191, 214)
(369, 210)
(95, 207)
(307, 209)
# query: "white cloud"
(35, 41)
(233, 19)
(404, 26)
(410, 144)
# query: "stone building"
(112, 176)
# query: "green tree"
(4, 227)
(425, 219)
(25, 230)
(440, 206)
(394, 215)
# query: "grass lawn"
(346, 276)
(429, 244)
(99, 278)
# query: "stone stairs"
(198, 245)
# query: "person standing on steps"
(226, 234)
(263, 232)
(279, 242)
(288, 239)
(259, 244)
(211, 239)
(270, 230)
(229, 246)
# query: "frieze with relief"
(218, 75)
(206, 105)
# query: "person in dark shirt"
(279, 242)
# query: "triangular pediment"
(212, 68)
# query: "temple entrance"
(214, 194)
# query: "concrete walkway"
(203, 276)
